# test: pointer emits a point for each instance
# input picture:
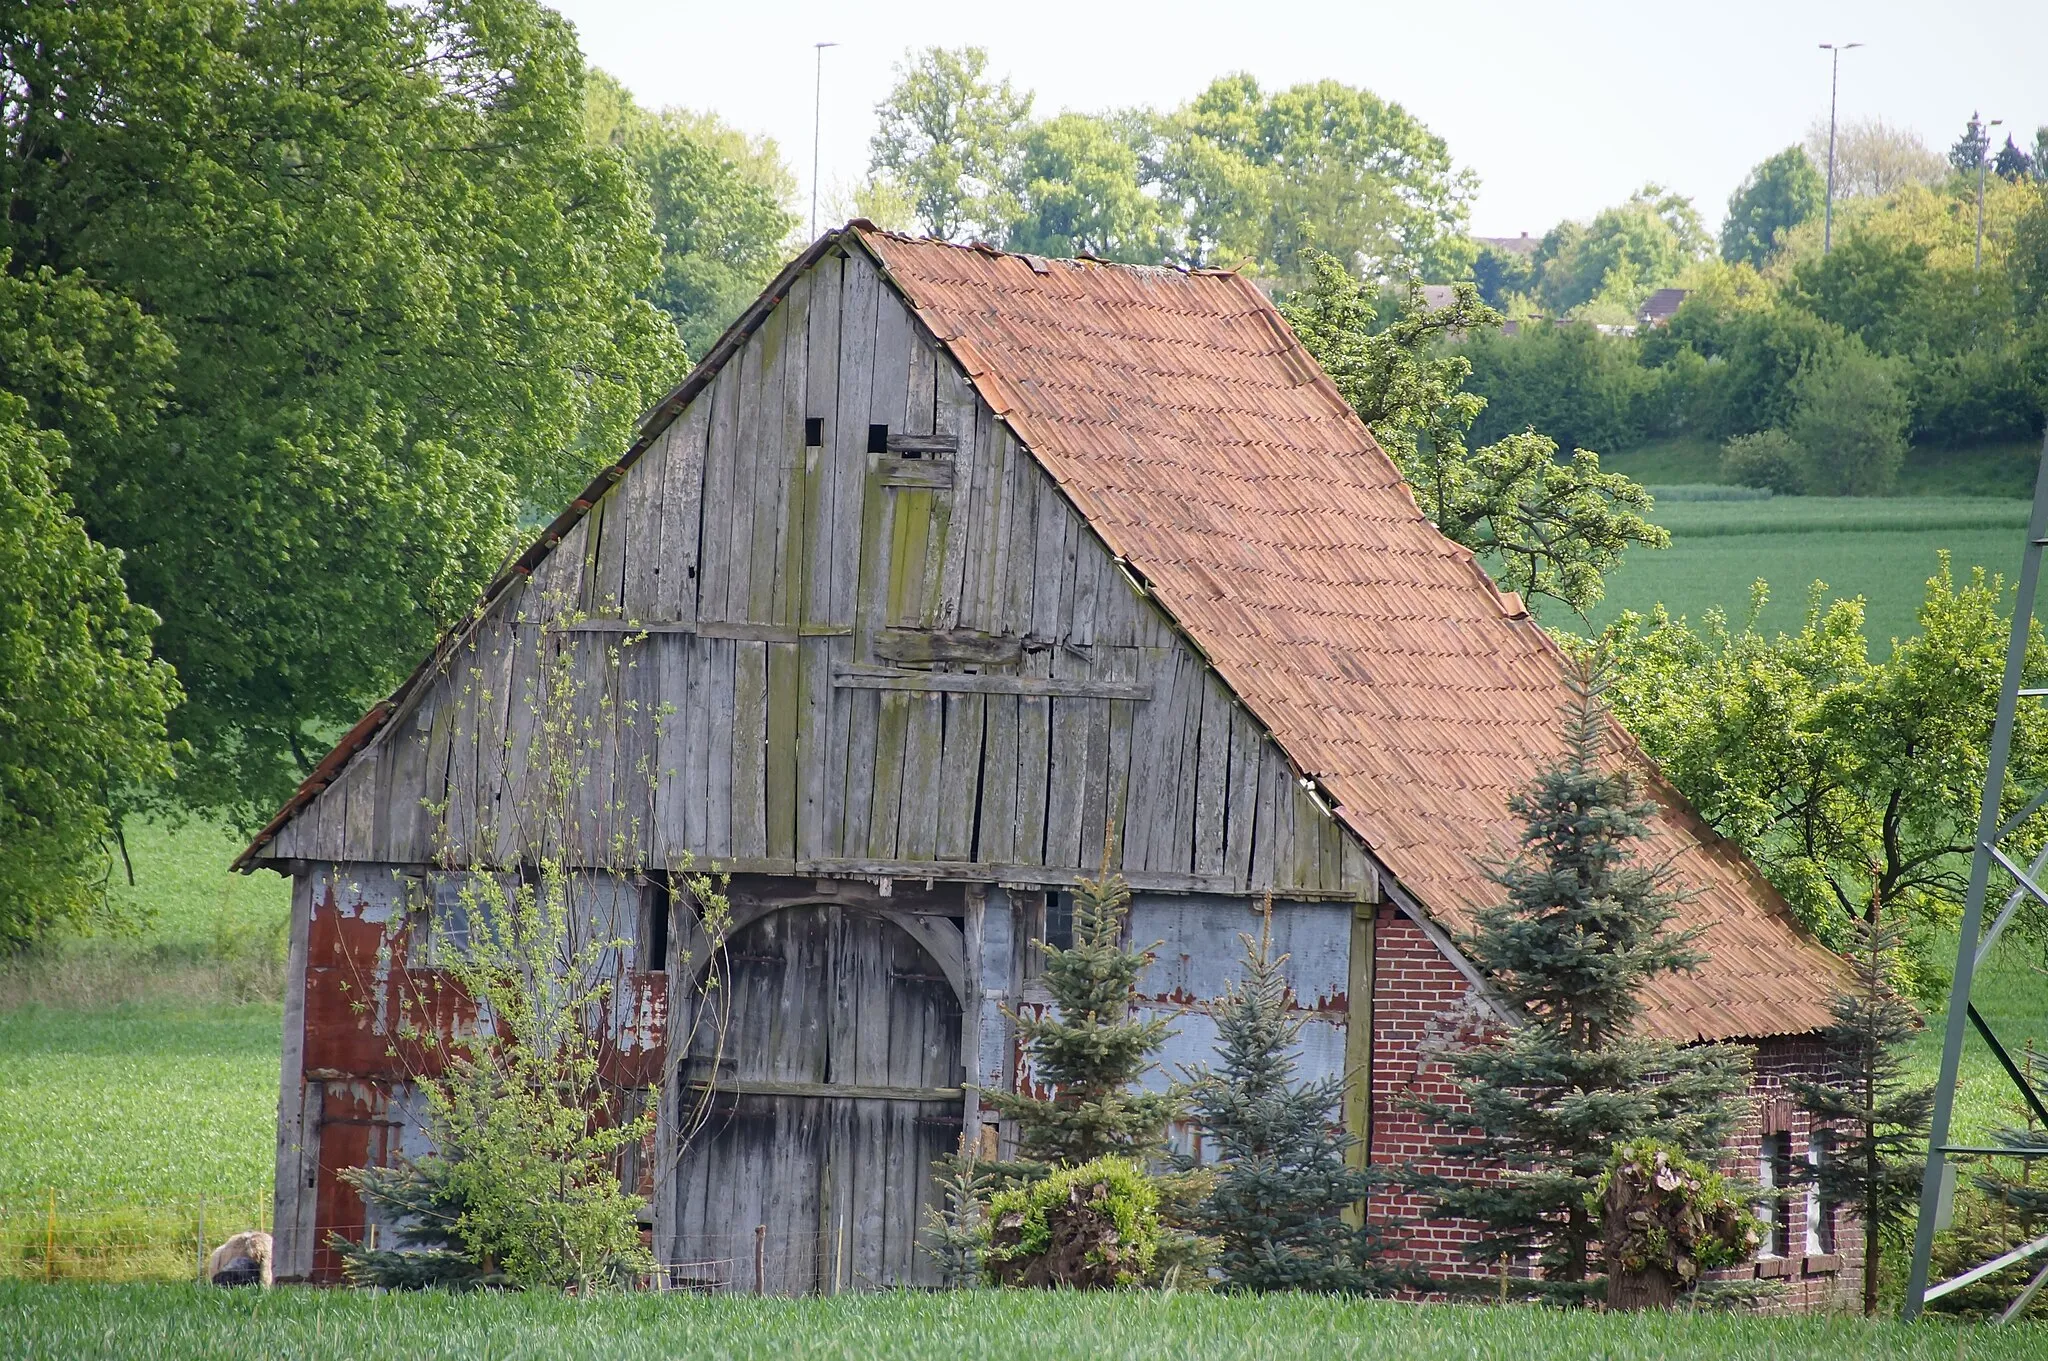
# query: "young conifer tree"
(1878, 1121)
(1088, 1049)
(1582, 928)
(1282, 1188)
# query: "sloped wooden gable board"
(770, 603)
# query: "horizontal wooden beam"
(949, 645)
(970, 683)
(930, 474)
(742, 632)
(1027, 877)
(849, 1091)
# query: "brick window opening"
(1774, 1172)
(1820, 1213)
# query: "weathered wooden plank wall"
(896, 650)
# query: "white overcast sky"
(1560, 107)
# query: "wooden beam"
(949, 645)
(842, 1090)
(969, 683)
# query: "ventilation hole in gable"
(814, 431)
(878, 439)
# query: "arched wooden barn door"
(837, 1083)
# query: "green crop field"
(88, 1321)
(1883, 550)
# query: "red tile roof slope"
(1188, 424)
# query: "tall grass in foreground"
(85, 1321)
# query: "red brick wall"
(1421, 1006)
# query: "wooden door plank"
(1034, 737)
(960, 767)
(750, 749)
(998, 782)
(717, 688)
(784, 717)
(892, 728)
(846, 437)
(816, 836)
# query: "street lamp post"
(1834, 51)
(1983, 160)
(817, 125)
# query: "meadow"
(1883, 550)
(95, 1321)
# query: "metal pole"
(1983, 163)
(1973, 902)
(1827, 230)
(1834, 51)
(817, 126)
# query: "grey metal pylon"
(1973, 941)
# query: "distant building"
(1661, 307)
(1524, 244)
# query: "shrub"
(1767, 459)
(1090, 1227)
(1850, 423)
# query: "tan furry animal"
(242, 1260)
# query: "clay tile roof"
(1188, 424)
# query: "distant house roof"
(1436, 297)
(1661, 306)
(1524, 244)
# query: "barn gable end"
(896, 650)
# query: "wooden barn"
(956, 573)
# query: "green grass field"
(1883, 550)
(87, 1321)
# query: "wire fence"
(52, 1239)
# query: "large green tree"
(82, 701)
(1621, 255)
(1544, 527)
(400, 293)
(1851, 782)
(1267, 177)
(718, 199)
(1777, 195)
(1077, 192)
(949, 136)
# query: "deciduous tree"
(402, 291)
(1777, 195)
(1545, 527)
(950, 135)
(83, 702)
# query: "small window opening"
(814, 431)
(655, 907)
(878, 439)
(1059, 920)
(1774, 1170)
(1820, 1148)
